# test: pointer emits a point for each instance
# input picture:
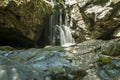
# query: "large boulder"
(89, 60)
(21, 21)
(94, 19)
(98, 58)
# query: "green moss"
(104, 60)
(112, 66)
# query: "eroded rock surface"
(89, 60)
(94, 19)
(21, 21)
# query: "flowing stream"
(59, 32)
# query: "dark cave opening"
(14, 39)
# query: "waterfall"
(65, 35)
(58, 31)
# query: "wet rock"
(88, 56)
(92, 75)
(84, 61)
(110, 71)
(111, 47)
(11, 70)
(50, 61)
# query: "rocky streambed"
(89, 60)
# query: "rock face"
(89, 60)
(94, 19)
(89, 56)
(21, 21)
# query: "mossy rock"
(111, 48)
(104, 60)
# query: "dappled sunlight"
(59, 39)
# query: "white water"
(65, 35)
(59, 33)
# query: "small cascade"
(58, 31)
(65, 35)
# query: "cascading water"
(65, 35)
(58, 31)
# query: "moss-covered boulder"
(21, 21)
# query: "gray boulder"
(89, 60)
